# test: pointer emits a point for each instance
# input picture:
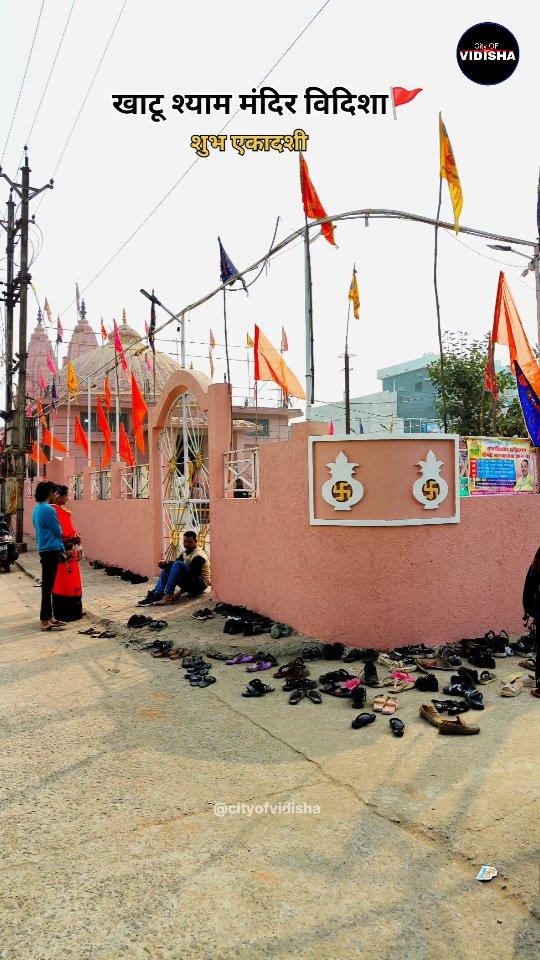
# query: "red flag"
(139, 411)
(104, 333)
(331, 429)
(106, 431)
(79, 436)
(125, 447)
(107, 394)
(50, 441)
(508, 330)
(312, 205)
(490, 377)
(119, 348)
(284, 341)
(50, 364)
(42, 382)
(37, 454)
(270, 365)
(400, 95)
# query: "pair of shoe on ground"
(364, 719)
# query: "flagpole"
(310, 384)
(249, 372)
(89, 412)
(117, 411)
(226, 335)
(68, 422)
(441, 352)
(347, 389)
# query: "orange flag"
(139, 411)
(50, 441)
(125, 447)
(107, 394)
(312, 205)
(39, 411)
(508, 330)
(106, 431)
(80, 436)
(37, 454)
(270, 365)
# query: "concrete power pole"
(10, 299)
(26, 193)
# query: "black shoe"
(362, 720)
(149, 599)
(358, 697)
(427, 683)
(397, 726)
(371, 677)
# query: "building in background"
(415, 393)
(372, 413)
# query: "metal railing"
(76, 486)
(100, 485)
(135, 482)
(242, 473)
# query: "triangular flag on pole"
(79, 435)
(508, 330)
(126, 452)
(107, 398)
(59, 331)
(53, 442)
(139, 411)
(284, 342)
(212, 341)
(354, 295)
(38, 455)
(331, 429)
(401, 96)
(119, 348)
(50, 364)
(270, 365)
(449, 172)
(106, 431)
(313, 207)
(249, 341)
(42, 383)
(227, 269)
(71, 380)
(47, 310)
(104, 334)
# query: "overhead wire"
(23, 81)
(50, 72)
(195, 161)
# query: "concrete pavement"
(111, 767)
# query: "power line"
(51, 70)
(196, 160)
(22, 81)
(87, 94)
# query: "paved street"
(111, 766)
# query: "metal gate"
(183, 445)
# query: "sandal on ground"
(106, 635)
(335, 676)
(263, 665)
(256, 688)
(397, 726)
(449, 657)
(527, 664)
(52, 628)
(204, 681)
(429, 713)
(311, 653)
(363, 720)
(295, 697)
(294, 667)
(379, 703)
(353, 654)
(313, 695)
(157, 624)
(91, 632)
(486, 677)
(513, 687)
(390, 706)
(300, 683)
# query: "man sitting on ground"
(191, 572)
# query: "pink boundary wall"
(370, 586)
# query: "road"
(110, 770)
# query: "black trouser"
(49, 564)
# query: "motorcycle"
(8, 550)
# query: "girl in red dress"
(67, 589)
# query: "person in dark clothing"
(50, 547)
(191, 572)
(531, 605)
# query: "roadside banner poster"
(501, 465)
(463, 468)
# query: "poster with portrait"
(501, 465)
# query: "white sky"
(117, 168)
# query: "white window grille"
(76, 484)
(242, 473)
(135, 482)
(100, 485)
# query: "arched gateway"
(180, 426)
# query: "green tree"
(469, 406)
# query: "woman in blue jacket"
(50, 547)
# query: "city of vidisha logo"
(342, 491)
(487, 54)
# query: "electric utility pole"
(26, 193)
(10, 299)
